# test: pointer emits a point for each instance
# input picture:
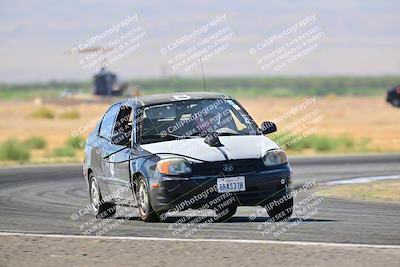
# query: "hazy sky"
(358, 37)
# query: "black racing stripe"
(223, 153)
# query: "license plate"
(231, 184)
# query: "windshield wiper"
(228, 134)
(195, 135)
(170, 136)
(214, 133)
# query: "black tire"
(100, 208)
(282, 211)
(146, 211)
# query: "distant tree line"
(251, 86)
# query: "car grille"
(226, 167)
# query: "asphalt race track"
(43, 199)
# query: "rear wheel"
(146, 211)
(100, 208)
(281, 210)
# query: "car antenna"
(202, 71)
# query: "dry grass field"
(376, 191)
(359, 118)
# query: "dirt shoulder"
(50, 251)
(374, 191)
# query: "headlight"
(274, 157)
(174, 166)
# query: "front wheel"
(101, 209)
(279, 210)
(146, 211)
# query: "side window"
(123, 124)
(107, 124)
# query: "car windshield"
(194, 119)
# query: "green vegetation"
(276, 86)
(42, 90)
(75, 142)
(42, 113)
(320, 143)
(71, 145)
(13, 150)
(36, 142)
(70, 115)
(23, 94)
(64, 152)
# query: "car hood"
(234, 147)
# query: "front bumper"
(195, 192)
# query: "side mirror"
(121, 139)
(268, 127)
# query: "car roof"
(148, 100)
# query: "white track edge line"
(360, 180)
(243, 241)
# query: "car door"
(106, 148)
(119, 161)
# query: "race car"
(172, 152)
(393, 96)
